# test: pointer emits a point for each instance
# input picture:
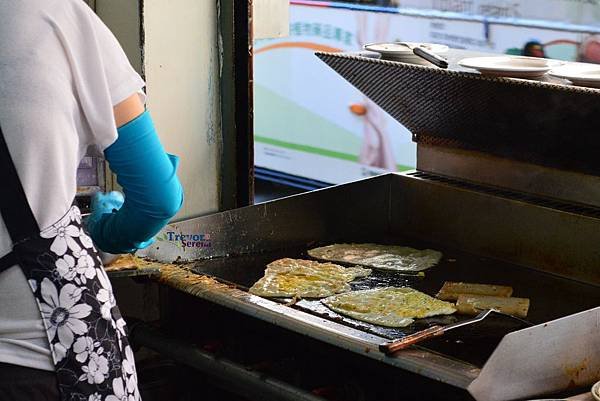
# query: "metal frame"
(417, 360)
(407, 205)
(523, 177)
(411, 205)
(231, 376)
(237, 155)
(463, 109)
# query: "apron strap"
(14, 207)
(8, 260)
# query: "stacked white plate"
(511, 66)
(404, 54)
(579, 74)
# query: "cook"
(65, 86)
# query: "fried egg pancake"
(389, 306)
(385, 257)
(305, 279)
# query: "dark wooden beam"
(237, 158)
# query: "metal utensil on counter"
(434, 331)
(427, 55)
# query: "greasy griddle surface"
(551, 297)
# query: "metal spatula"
(437, 330)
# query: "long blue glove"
(153, 194)
(106, 203)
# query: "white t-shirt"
(61, 73)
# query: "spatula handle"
(431, 57)
(397, 345)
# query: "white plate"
(596, 391)
(511, 66)
(579, 74)
(398, 52)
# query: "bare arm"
(128, 109)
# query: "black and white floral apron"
(87, 334)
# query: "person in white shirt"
(66, 86)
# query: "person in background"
(534, 48)
(66, 86)
(589, 50)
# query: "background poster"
(580, 12)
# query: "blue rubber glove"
(103, 203)
(153, 194)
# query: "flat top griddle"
(551, 296)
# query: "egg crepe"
(386, 257)
(305, 279)
(123, 262)
(389, 306)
